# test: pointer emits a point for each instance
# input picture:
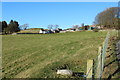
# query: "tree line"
(12, 27)
(108, 18)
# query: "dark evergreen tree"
(13, 27)
(4, 25)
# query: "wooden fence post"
(99, 64)
(89, 69)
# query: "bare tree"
(56, 27)
(75, 26)
(107, 18)
(24, 26)
(50, 27)
(82, 24)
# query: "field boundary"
(98, 63)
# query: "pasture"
(40, 55)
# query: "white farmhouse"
(41, 31)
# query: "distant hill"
(31, 30)
(34, 28)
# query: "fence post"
(99, 63)
(103, 54)
(89, 69)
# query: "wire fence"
(98, 63)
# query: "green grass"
(40, 55)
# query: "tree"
(24, 26)
(12, 27)
(4, 25)
(50, 27)
(56, 27)
(107, 18)
(53, 27)
(82, 25)
(75, 26)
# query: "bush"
(96, 30)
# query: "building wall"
(40, 31)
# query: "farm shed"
(88, 27)
(42, 31)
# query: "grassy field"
(40, 55)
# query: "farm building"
(90, 27)
(57, 30)
(45, 31)
(87, 27)
(42, 31)
(70, 30)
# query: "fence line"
(99, 62)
